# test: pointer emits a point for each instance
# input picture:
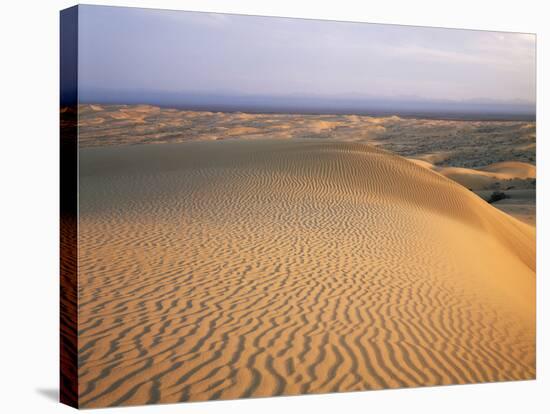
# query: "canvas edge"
(68, 180)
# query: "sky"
(161, 53)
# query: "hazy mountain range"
(310, 104)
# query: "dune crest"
(483, 177)
(512, 169)
(216, 270)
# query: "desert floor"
(217, 269)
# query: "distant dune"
(510, 170)
(516, 180)
(442, 142)
(256, 268)
(484, 177)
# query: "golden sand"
(215, 270)
(484, 177)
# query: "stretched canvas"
(261, 206)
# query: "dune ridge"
(516, 180)
(444, 142)
(216, 270)
(482, 178)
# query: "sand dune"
(519, 203)
(256, 268)
(484, 178)
(511, 169)
(515, 179)
(443, 142)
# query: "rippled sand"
(215, 270)
(451, 143)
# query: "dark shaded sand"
(215, 270)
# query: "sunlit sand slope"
(517, 174)
(477, 179)
(256, 268)
(516, 179)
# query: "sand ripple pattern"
(217, 270)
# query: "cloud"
(160, 50)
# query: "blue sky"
(159, 51)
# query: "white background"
(29, 205)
